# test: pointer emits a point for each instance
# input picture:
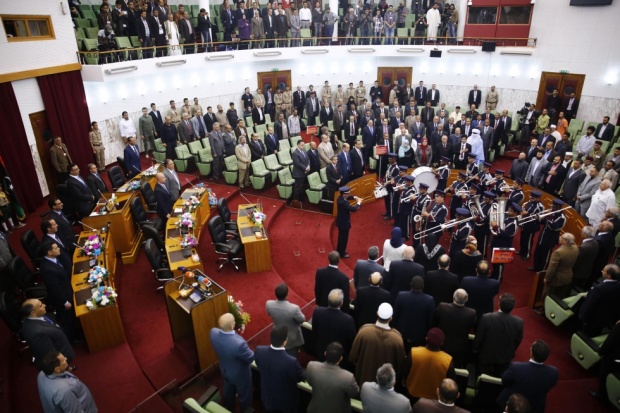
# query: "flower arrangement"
(98, 275)
(186, 221)
(257, 217)
(212, 197)
(242, 318)
(93, 246)
(134, 185)
(192, 204)
(102, 297)
(149, 172)
(188, 241)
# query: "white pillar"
(461, 7)
(333, 5)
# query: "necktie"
(371, 131)
(136, 150)
(462, 156)
(352, 133)
(48, 320)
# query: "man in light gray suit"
(332, 386)
(417, 127)
(284, 313)
(380, 397)
(536, 169)
(574, 178)
(486, 133)
(217, 150)
(173, 184)
(587, 188)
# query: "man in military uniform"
(549, 237)
(462, 231)
(259, 98)
(278, 100)
(287, 100)
(339, 95)
(96, 143)
(360, 93)
(405, 206)
(528, 230)
(458, 200)
(391, 175)
(472, 167)
(326, 92)
(350, 91)
(421, 204)
(503, 237)
(438, 213)
(481, 228)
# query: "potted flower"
(192, 204)
(186, 223)
(98, 275)
(242, 318)
(102, 297)
(187, 243)
(93, 247)
(134, 185)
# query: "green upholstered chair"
(160, 151)
(293, 140)
(323, 174)
(260, 129)
(315, 192)
(90, 46)
(123, 43)
(613, 389)
(249, 122)
(558, 310)
(402, 36)
(271, 163)
(594, 124)
(373, 161)
(285, 185)
(205, 161)
(194, 147)
(207, 403)
(285, 145)
(205, 143)
(585, 349)
(91, 32)
(232, 171)
(268, 119)
(284, 158)
(185, 160)
(260, 174)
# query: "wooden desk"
(187, 318)
(173, 235)
(102, 327)
(362, 187)
(257, 251)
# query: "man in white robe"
(477, 147)
(603, 199)
(433, 19)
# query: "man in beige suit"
(559, 276)
(242, 151)
(59, 155)
(258, 31)
(325, 151)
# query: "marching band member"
(516, 195)
(462, 231)
(442, 176)
(499, 182)
(471, 205)
(405, 207)
(528, 230)
(438, 212)
(457, 200)
(481, 228)
(483, 177)
(421, 203)
(390, 179)
(504, 237)
(398, 187)
(549, 237)
(472, 166)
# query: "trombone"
(537, 217)
(449, 224)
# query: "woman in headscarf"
(393, 248)
(477, 147)
(424, 153)
(418, 139)
(405, 153)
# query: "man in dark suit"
(65, 229)
(271, 142)
(427, 114)
(158, 33)
(368, 299)
(475, 97)
(588, 250)
(228, 22)
(269, 24)
(364, 268)
(497, 338)
(443, 151)
(334, 176)
(49, 228)
(385, 140)
(279, 373)
(481, 289)
(456, 321)
(571, 105)
(314, 158)
(301, 168)
(330, 324)
(368, 139)
(83, 199)
(216, 141)
(169, 137)
(328, 278)
(448, 393)
(413, 313)
(41, 332)
(600, 309)
(532, 378)
(574, 177)
(605, 130)
(235, 358)
(501, 127)
(382, 110)
(553, 175)
(461, 150)
(94, 181)
(343, 219)
(257, 147)
(344, 163)
(164, 200)
(326, 114)
(299, 101)
(433, 96)
(258, 115)
(312, 107)
(357, 160)
(441, 284)
(351, 130)
(131, 154)
(606, 244)
(401, 274)
(186, 130)
(145, 38)
(421, 94)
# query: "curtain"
(15, 152)
(65, 104)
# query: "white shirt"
(601, 202)
(127, 127)
(585, 144)
(305, 14)
(293, 125)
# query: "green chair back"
(259, 169)
(314, 181)
(284, 158)
(194, 147)
(204, 155)
(285, 177)
(231, 163)
(271, 162)
(285, 145)
(182, 152)
(323, 174)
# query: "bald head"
(375, 278)
(227, 322)
(460, 297)
(335, 298)
(448, 391)
(161, 178)
(409, 253)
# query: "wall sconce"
(314, 51)
(120, 70)
(266, 54)
(410, 50)
(220, 57)
(470, 3)
(361, 50)
(533, 2)
(461, 51)
(171, 63)
(517, 52)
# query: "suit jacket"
(329, 325)
(362, 271)
(209, 119)
(400, 276)
(333, 176)
(456, 322)
(65, 230)
(367, 302)
(228, 21)
(413, 315)
(58, 158)
(196, 122)
(357, 163)
(256, 116)
(376, 400)
(332, 388)
(234, 355)
(317, 107)
(277, 128)
(272, 143)
(433, 406)
(368, 136)
(83, 199)
(600, 309)
(344, 164)
(326, 117)
(477, 99)
(532, 380)
(481, 291)
(427, 115)
(560, 269)
(164, 202)
(417, 128)
(327, 279)
(285, 313)
(44, 337)
(435, 101)
(582, 270)
(441, 285)
(608, 134)
(587, 188)
(157, 119)
(173, 186)
(556, 180)
(58, 282)
(96, 185)
(279, 374)
(216, 141)
(132, 160)
(497, 337)
(300, 163)
(337, 123)
(420, 95)
(270, 29)
(379, 111)
(257, 148)
(186, 132)
(299, 101)
(571, 184)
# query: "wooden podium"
(257, 250)
(362, 187)
(191, 321)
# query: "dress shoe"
(387, 217)
(523, 258)
(540, 311)
(384, 215)
(346, 255)
(531, 269)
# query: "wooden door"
(44, 140)
(387, 76)
(279, 79)
(564, 83)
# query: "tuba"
(497, 214)
(478, 210)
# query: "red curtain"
(16, 153)
(65, 104)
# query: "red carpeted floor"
(300, 239)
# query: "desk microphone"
(134, 167)
(82, 248)
(104, 198)
(190, 182)
(83, 224)
(243, 196)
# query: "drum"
(380, 192)
(424, 174)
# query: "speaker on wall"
(435, 53)
(488, 46)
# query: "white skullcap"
(385, 311)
